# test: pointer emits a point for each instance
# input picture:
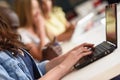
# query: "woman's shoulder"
(25, 35)
(22, 30)
(5, 55)
(58, 11)
(57, 8)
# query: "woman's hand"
(52, 50)
(76, 54)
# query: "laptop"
(108, 46)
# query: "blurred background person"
(56, 24)
(31, 26)
(3, 3)
(11, 17)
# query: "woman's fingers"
(80, 50)
(83, 50)
(85, 53)
(86, 45)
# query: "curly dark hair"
(9, 40)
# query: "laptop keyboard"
(103, 48)
(100, 50)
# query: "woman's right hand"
(77, 53)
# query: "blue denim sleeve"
(41, 66)
(4, 75)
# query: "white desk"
(103, 69)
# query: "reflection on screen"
(111, 24)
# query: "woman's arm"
(40, 28)
(67, 34)
(54, 62)
(60, 70)
(35, 50)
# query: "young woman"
(31, 27)
(17, 64)
(55, 21)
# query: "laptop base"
(100, 51)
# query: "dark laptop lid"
(111, 23)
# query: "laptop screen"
(111, 23)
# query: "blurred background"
(72, 8)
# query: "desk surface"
(102, 69)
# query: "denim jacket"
(14, 68)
